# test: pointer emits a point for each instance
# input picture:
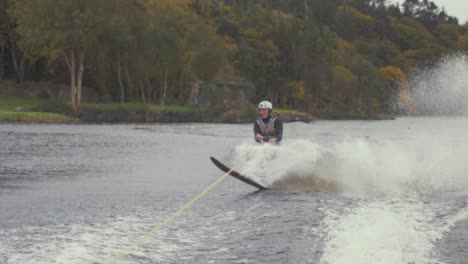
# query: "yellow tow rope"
(168, 220)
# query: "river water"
(84, 193)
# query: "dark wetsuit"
(278, 126)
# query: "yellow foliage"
(346, 49)
(296, 89)
(230, 45)
(269, 45)
(226, 8)
(411, 54)
(344, 45)
(252, 33)
(394, 74)
(281, 15)
(361, 17)
(166, 8)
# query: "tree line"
(314, 55)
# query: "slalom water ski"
(237, 175)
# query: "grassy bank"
(34, 117)
(138, 107)
(33, 110)
(282, 111)
(36, 110)
(31, 104)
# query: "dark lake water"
(84, 193)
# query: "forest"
(316, 56)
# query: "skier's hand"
(259, 137)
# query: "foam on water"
(267, 163)
(395, 231)
(362, 166)
(390, 177)
(97, 243)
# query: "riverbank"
(36, 110)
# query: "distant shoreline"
(36, 110)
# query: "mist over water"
(441, 90)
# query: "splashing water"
(442, 89)
(409, 222)
(362, 166)
(405, 184)
(394, 183)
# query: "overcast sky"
(458, 8)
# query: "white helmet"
(265, 104)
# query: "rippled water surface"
(84, 193)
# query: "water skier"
(268, 127)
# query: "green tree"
(258, 54)
(9, 42)
(4, 31)
(448, 35)
(344, 90)
(351, 23)
(61, 28)
(174, 47)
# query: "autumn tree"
(316, 55)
